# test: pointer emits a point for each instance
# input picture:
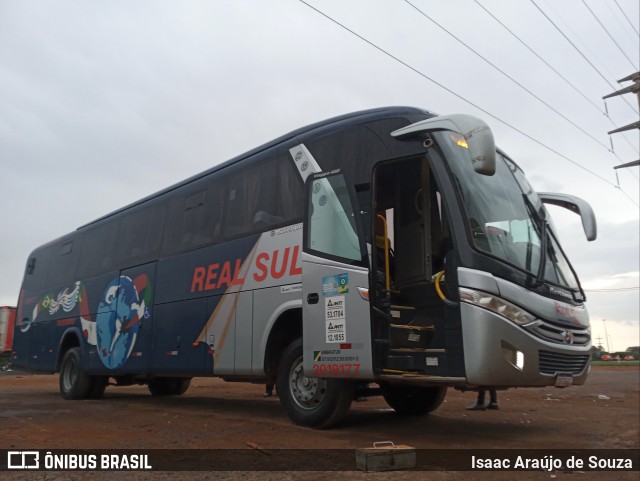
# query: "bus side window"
(38, 267)
(269, 194)
(140, 234)
(290, 192)
(62, 265)
(242, 203)
(97, 252)
(194, 219)
(267, 206)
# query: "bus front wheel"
(75, 383)
(169, 386)
(408, 400)
(311, 401)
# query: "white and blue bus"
(390, 251)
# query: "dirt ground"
(213, 414)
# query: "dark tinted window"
(252, 199)
(356, 149)
(290, 190)
(62, 265)
(194, 218)
(141, 235)
(97, 254)
(267, 194)
(37, 268)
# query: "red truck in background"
(7, 323)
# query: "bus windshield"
(505, 217)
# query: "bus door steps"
(405, 336)
(431, 361)
(381, 313)
(416, 350)
(403, 308)
(399, 313)
(394, 375)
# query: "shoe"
(493, 406)
(477, 407)
(267, 394)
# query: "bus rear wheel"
(75, 383)
(169, 386)
(408, 400)
(310, 401)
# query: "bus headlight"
(496, 304)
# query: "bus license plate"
(564, 380)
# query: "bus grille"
(559, 334)
(552, 363)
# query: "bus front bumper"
(499, 353)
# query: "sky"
(103, 103)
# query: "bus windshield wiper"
(543, 252)
(541, 223)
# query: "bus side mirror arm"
(577, 206)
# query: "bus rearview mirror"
(577, 206)
(477, 134)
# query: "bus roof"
(318, 128)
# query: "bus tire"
(312, 402)
(98, 386)
(408, 400)
(169, 386)
(75, 383)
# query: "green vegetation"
(5, 363)
(615, 363)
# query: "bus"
(389, 251)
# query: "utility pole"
(606, 336)
(599, 339)
(633, 88)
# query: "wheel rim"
(307, 392)
(70, 374)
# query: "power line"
(618, 289)
(543, 60)
(625, 16)
(580, 52)
(423, 75)
(550, 4)
(609, 34)
(622, 25)
(512, 79)
(555, 71)
(577, 40)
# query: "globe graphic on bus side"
(117, 322)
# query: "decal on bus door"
(335, 285)
(122, 307)
(335, 320)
